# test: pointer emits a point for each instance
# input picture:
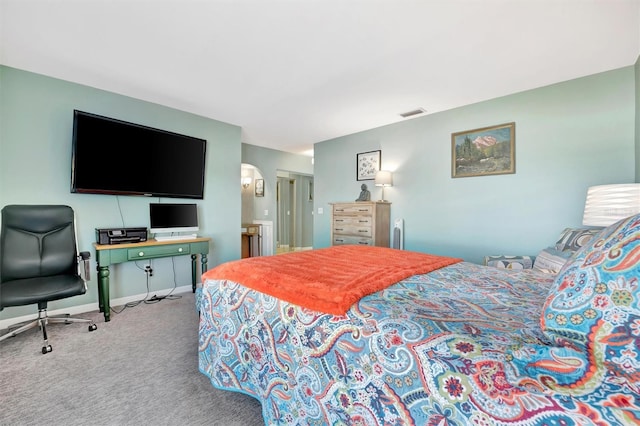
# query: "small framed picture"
(259, 187)
(368, 164)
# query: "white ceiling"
(295, 72)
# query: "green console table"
(107, 255)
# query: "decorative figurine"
(365, 195)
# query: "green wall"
(569, 136)
(268, 162)
(35, 162)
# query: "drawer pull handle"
(362, 230)
(339, 240)
(338, 229)
(141, 254)
(180, 250)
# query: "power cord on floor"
(137, 302)
(168, 296)
(153, 299)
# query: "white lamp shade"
(384, 178)
(607, 204)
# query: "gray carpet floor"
(139, 368)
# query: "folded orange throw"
(329, 279)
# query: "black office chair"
(39, 262)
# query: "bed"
(460, 344)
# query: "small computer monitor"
(168, 218)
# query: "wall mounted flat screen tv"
(111, 156)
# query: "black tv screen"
(111, 156)
(167, 217)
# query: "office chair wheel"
(93, 327)
(46, 349)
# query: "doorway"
(294, 212)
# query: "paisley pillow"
(593, 307)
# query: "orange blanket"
(330, 279)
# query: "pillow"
(551, 260)
(572, 239)
(593, 306)
(509, 262)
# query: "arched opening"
(256, 234)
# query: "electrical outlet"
(320, 210)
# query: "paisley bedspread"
(433, 349)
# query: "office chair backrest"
(37, 241)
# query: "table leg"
(194, 269)
(194, 272)
(103, 292)
(203, 260)
(100, 302)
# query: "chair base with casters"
(42, 321)
(39, 263)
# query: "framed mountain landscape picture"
(484, 151)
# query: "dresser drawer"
(361, 231)
(157, 251)
(352, 221)
(352, 209)
(346, 239)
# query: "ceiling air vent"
(412, 113)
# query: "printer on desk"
(120, 235)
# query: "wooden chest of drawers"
(361, 222)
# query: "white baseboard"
(80, 309)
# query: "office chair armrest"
(84, 269)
